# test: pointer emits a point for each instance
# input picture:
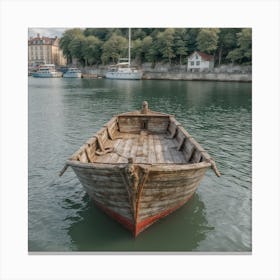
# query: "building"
(44, 50)
(199, 62)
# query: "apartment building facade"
(45, 50)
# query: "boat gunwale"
(150, 114)
(207, 162)
(153, 167)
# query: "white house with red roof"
(200, 61)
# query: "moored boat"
(47, 71)
(72, 73)
(140, 167)
(123, 70)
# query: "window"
(198, 63)
(196, 56)
(192, 63)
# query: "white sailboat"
(123, 69)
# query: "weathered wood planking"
(136, 123)
(140, 166)
(106, 187)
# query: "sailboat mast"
(129, 39)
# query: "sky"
(48, 32)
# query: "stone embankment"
(198, 76)
(229, 72)
(234, 73)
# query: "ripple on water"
(64, 114)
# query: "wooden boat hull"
(159, 191)
(150, 167)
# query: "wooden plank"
(150, 195)
(151, 211)
(122, 150)
(140, 143)
(188, 149)
(127, 124)
(142, 150)
(158, 125)
(158, 150)
(172, 129)
(158, 185)
(119, 198)
(145, 147)
(134, 147)
(166, 149)
(196, 157)
(175, 172)
(151, 149)
(91, 151)
(178, 156)
(116, 203)
(95, 170)
(123, 211)
(127, 148)
(103, 181)
(163, 200)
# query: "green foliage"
(136, 50)
(180, 43)
(148, 51)
(243, 53)
(113, 49)
(91, 50)
(227, 42)
(76, 46)
(67, 38)
(191, 35)
(207, 39)
(165, 43)
(93, 46)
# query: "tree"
(91, 50)
(165, 42)
(67, 37)
(76, 46)
(207, 39)
(191, 35)
(136, 50)
(148, 50)
(101, 33)
(243, 53)
(114, 48)
(227, 42)
(180, 46)
(94, 45)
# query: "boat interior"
(152, 138)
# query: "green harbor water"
(64, 113)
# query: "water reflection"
(63, 113)
(183, 230)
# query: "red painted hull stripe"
(147, 222)
(121, 219)
(129, 224)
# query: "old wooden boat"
(140, 167)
